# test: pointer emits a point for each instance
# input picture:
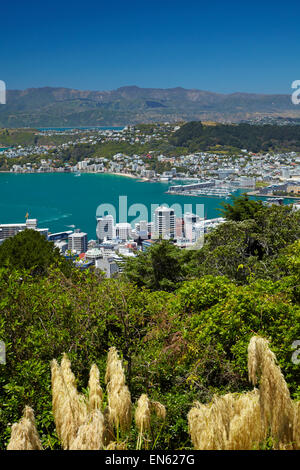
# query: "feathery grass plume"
(95, 390)
(116, 446)
(143, 414)
(108, 435)
(113, 362)
(119, 398)
(223, 410)
(90, 434)
(200, 427)
(65, 422)
(142, 419)
(246, 429)
(296, 435)
(69, 408)
(119, 402)
(78, 400)
(242, 421)
(159, 409)
(24, 435)
(275, 401)
(231, 422)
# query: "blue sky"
(222, 46)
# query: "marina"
(211, 192)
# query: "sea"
(63, 201)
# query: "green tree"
(242, 208)
(160, 267)
(30, 250)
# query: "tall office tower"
(78, 242)
(179, 227)
(105, 228)
(141, 229)
(189, 225)
(123, 231)
(150, 227)
(199, 231)
(164, 222)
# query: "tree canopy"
(30, 250)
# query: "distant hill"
(46, 107)
(196, 136)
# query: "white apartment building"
(82, 165)
(142, 229)
(123, 231)
(105, 228)
(78, 242)
(164, 222)
(189, 225)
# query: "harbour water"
(61, 200)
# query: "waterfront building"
(191, 187)
(123, 231)
(52, 237)
(105, 228)
(179, 231)
(82, 165)
(189, 225)
(293, 189)
(10, 230)
(78, 242)
(142, 229)
(164, 222)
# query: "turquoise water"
(59, 200)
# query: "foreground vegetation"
(263, 417)
(181, 320)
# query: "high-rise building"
(179, 227)
(142, 229)
(105, 228)
(78, 242)
(150, 226)
(123, 231)
(164, 222)
(189, 225)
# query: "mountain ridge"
(61, 106)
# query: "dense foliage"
(31, 251)
(255, 138)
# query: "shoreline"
(127, 175)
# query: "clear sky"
(222, 46)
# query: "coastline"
(127, 175)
